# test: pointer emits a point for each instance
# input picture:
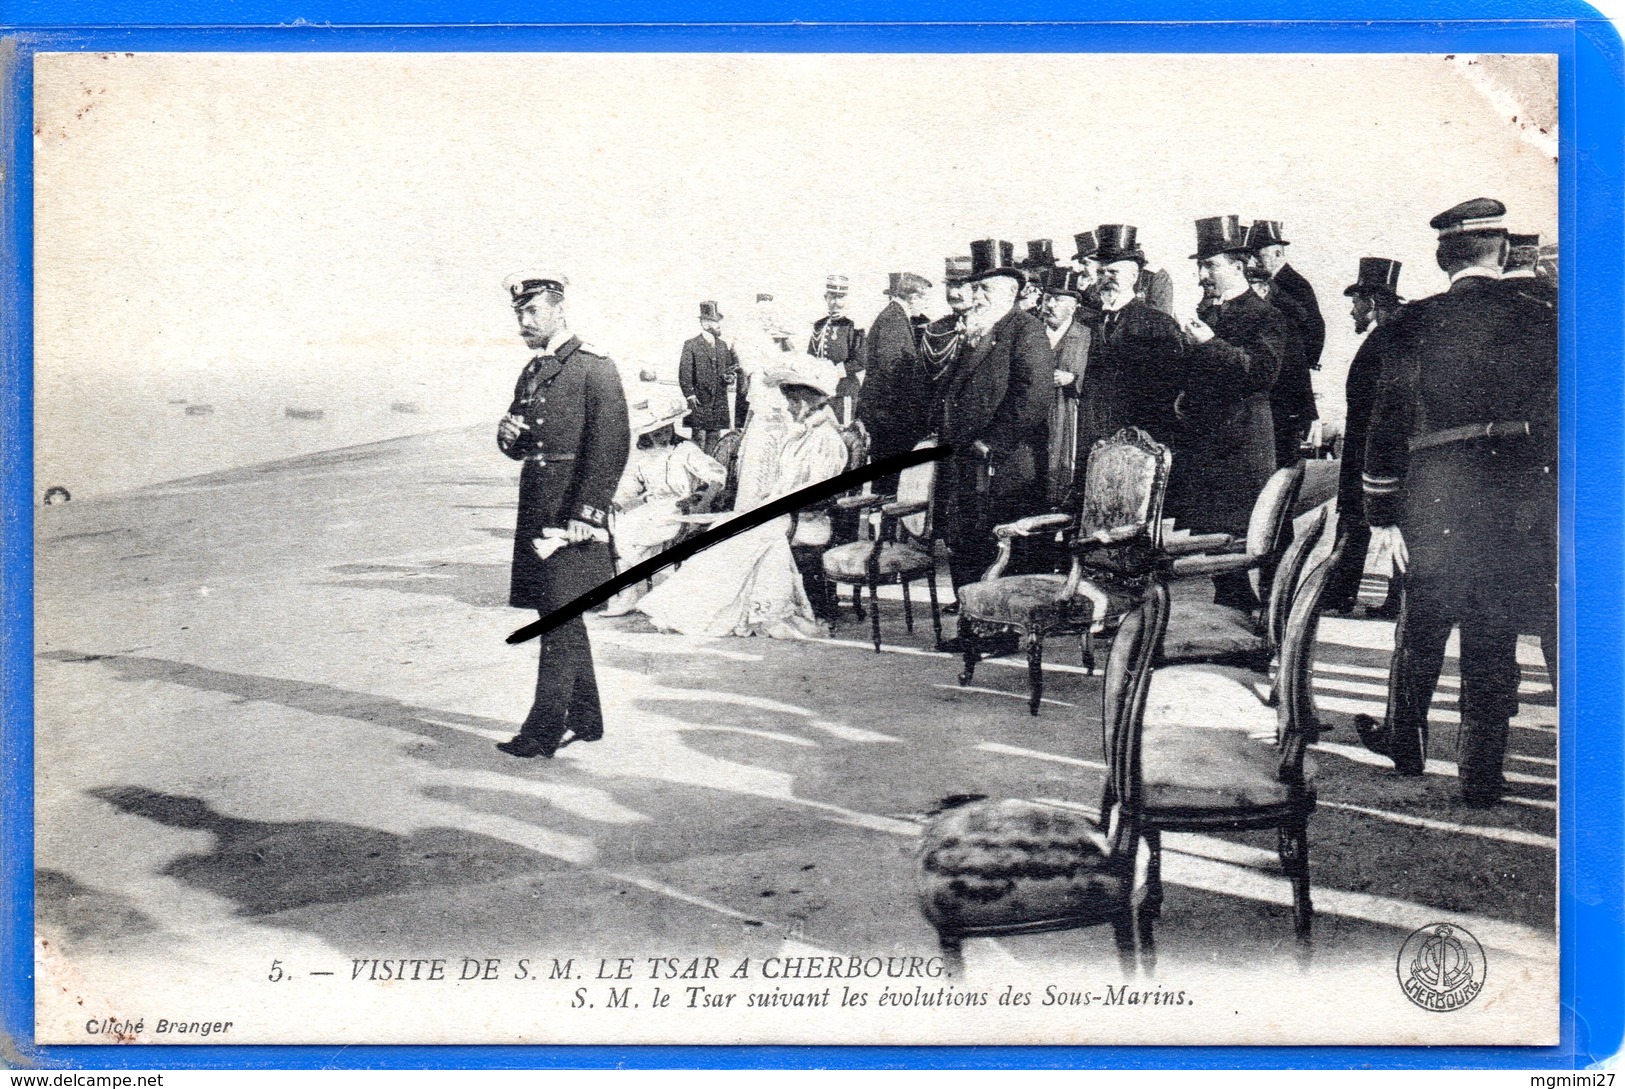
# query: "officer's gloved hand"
(1388, 544)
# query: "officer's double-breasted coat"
(837, 338)
(574, 451)
(1478, 513)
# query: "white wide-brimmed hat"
(805, 370)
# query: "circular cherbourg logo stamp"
(1441, 967)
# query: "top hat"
(1062, 281)
(956, 270)
(523, 286)
(1378, 276)
(993, 257)
(1219, 234)
(1117, 242)
(709, 312)
(805, 370)
(1040, 254)
(1481, 215)
(835, 285)
(1086, 245)
(905, 285)
(1265, 232)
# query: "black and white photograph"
(798, 548)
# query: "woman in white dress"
(749, 583)
(663, 474)
(761, 351)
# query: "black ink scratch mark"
(813, 493)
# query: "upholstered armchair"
(996, 867)
(1114, 541)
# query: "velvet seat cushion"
(1030, 601)
(1201, 629)
(850, 562)
(1005, 863)
(1209, 744)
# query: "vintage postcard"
(348, 365)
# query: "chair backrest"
(1127, 680)
(1289, 574)
(1124, 483)
(1266, 529)
(917, 484)
(1296, 724)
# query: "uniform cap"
(835, 285)
(1481, 215)
(521, 286)
(956, 270)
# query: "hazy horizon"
(331, 231)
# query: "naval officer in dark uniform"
(1460, 491)
(568, 424)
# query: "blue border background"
(1592, 153)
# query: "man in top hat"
(1088, 269)
(895, 404)
(1069, 339)
(1376, 302)
(568, 424)
(1294, 367)
(708, 371)
(1039, 260)
(1293, 401)
(1226, 449)
(1460, 492)
(837, 338)
(995, 412)
(1135, 358)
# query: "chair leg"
(969, 642)
(1128, 937)
(936, 613)
(1294, 847)
(1152, 903)
(908, 608)
(1035, 671)
(874, 611)
(857, 600)
(953, 955)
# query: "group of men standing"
(1449, 452)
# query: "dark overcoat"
(999, 394)
(1360, 398)
(706, 368)
(895, 402)
(574, 452)
(1134, 373)
(1071, 356)
(1479, 515)
(1294, 393)
(1291, 282)
(1225, 452)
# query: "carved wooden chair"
(896, 545)
(1216, 758)
(1114, 542)
(1203, 630)
(991, 868)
